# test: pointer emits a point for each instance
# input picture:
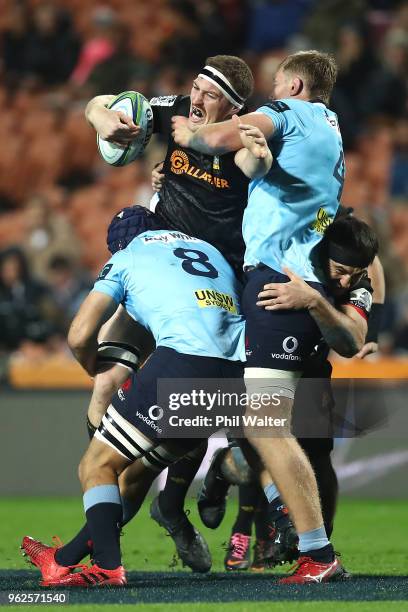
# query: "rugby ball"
(136, 106)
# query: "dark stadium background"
(57, 196)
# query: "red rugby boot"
(307, 570)
(43, 557)
(90, 577)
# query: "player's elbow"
(348, 350)
(351, 345)
(347, 343)
(78, 336)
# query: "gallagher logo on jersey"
(180, 164)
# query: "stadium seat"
(83, 201)
(80, 143)
(12, 228)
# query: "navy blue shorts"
(137, 400)
(280, 339)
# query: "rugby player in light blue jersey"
(186, 294)
(291, 201)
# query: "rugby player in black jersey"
(202, 195)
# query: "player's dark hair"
(236, 71)
(318, 69)
(352, 237)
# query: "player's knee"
(132, 479)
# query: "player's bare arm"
(96, 309)
(218, 138)
(376, 275)
(255, 158)
(114, 126)
(344, 330)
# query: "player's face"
(342, 277)
(208, 104)
(282, 85)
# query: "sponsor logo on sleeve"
(278, 106)
(163, 101)
(361, 298)
(105, 271)
(332, 121)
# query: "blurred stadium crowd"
(57, 196)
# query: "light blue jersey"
(182, 290)
(290, 207)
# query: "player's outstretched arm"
(114, 126)
(255, 158)
(344, 331)
(218, 138)
(95, 310)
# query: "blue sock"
(271, 492)
(103, 509)
(313, 540)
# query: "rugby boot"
(212, 497)
(307, 570)
(43, 557)
(284, 547)
(238, 555)
(190, 544)
(263, 553)
(90, 577)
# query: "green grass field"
(371, 536)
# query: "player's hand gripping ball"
(138, 108)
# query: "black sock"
(179, 478)
(262, 519)
(78, 548)
(318, 451)
(328, 488)
(104, 520)
(321, 555)
(278, 513)
(248, 498)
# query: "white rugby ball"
(136, 106)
